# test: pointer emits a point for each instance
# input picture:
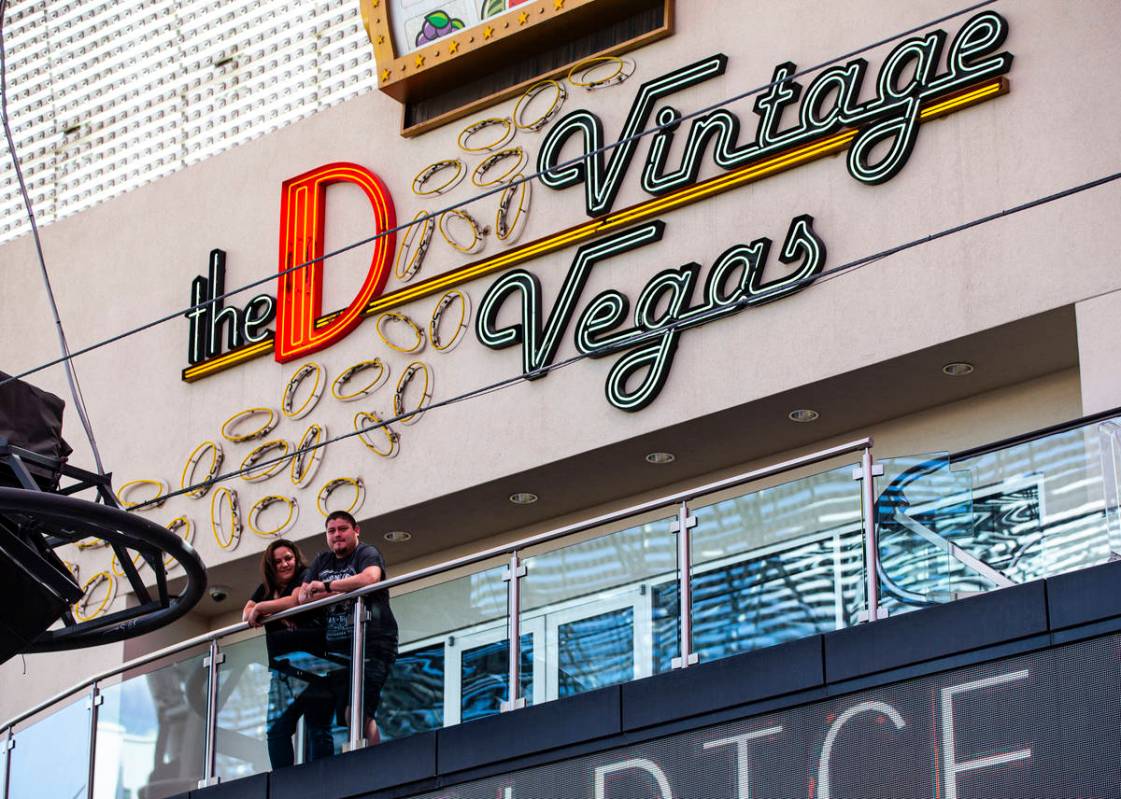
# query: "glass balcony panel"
(277, 700)
(601, 611)
(452, 662)
(1048, 506)
(51, 755)
(924, 509)
(777, 564)
(151, 731)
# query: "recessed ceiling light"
(958, 368)
(661, 457)
(398, 536)
(523, 498)
(802, 415)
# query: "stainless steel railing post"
(357, 738)
(867, 474)
(9, 744)
(513, 576)
(213, 662)
(93, 703)
(685, 523)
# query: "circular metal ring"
(426, 174)
(308, 455)
(588, 66)
(397, 316)
(530, 95)
(193, 460)
(403, 382)
(263, 504)
(248, 413)
(408, 265)
(348, 374)
(288, 399)
(252, 474)
(477, 233)
(333, 485)
(392, 439)
(188, 535)
(487, 164)
(231, 502)
(461, 324)
(505, 228)
(80, 608)
(465, 135)
(161, 490)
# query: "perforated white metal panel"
(107, 95)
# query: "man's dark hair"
(341, 514)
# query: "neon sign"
(734, 282)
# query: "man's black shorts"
(380, 656)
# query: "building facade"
(746, 233)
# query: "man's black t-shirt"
(340, 617)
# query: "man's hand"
(309, 592)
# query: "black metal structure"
(39, 513)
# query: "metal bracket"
(689, 521)
(354, 747)
(877, 471)
(694, 659)
(863, 618)
(10, 744)
(220, 660)
(94, 702)
(522, 572)
(517, 704)
(207, 783)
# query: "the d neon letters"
(303, 204)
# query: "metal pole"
(868, 472)
(513, 577)
(685, 523)
(9, 745)
(95, 701)
(357, 672)
(213, 661)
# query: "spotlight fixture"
(958, 369)
(523, 498)
(398, 536)
(803, 415)
(660, 457)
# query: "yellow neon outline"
(193, 460)
(329, 488)
(261, 505)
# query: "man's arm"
(316, 589)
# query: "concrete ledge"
(974, 623)
(736, 680)
(1084, 596)
(568, 721)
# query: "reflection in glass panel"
(485, 677)
(414, 693)
(595, 651)
(151, 733)
(51, 755)
(438, 625)
(591, 602)
(276, 702)
(774, 565)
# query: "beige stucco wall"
(131, 260)
(1099, 342)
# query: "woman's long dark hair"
(268, 568)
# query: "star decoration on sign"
(453, 47)
(523, 18)
(384, 75)
(558, 5)
(420, 61)
(488, 31)
(381, 38)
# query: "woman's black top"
(262, 594)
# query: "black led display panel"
(1046, 724)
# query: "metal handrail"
(761, 473)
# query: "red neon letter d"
(299, 295)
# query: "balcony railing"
(725, 568)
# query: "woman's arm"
(261, 610)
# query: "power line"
(638, 338)
(67, 357)
(490, 192)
